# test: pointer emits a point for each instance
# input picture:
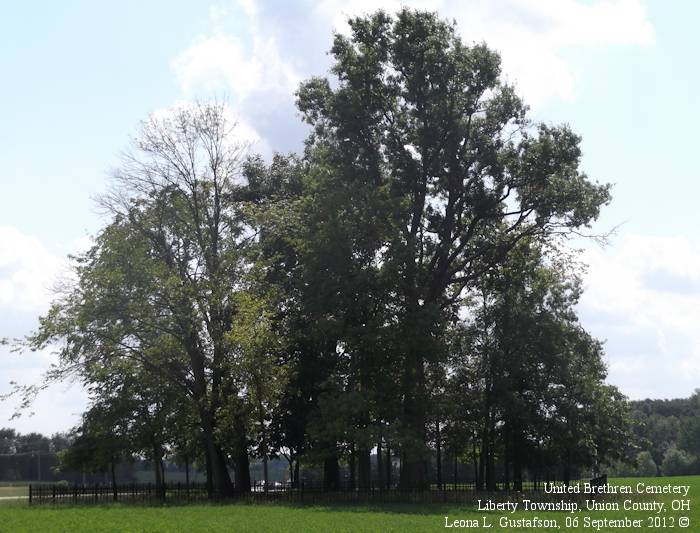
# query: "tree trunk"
(417, 339)
(114, 480)
(265, 473)
(517, 471)
(353, 467)
(331, 472)
(242, 472)
(380, 464)
(388, 467)
(482, 466)
(413, 447)
(491, 463)
(220, 480)
(438, 454)
(365, 468)
(506, 470)
(158, 470)
(456, 471)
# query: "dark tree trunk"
(456, 470)
(482, 467)
(353, 467)
(209, 470)
(158, 470)
(491, 464)
(567, 467)
(414, 418)
(364, 468)
(114, 479)
(380, 464)
(331, 472)
(220, 479)
(488, 467)
(242, 472)
(517, 471)
(388, 467)
(265, 473)
(438, 454)
(506, 469)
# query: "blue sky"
(77, 77)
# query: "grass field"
(18, 516)
(13, 490)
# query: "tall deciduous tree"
(434, 150)
(159, 285)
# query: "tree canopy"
(403, 286)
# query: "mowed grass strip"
(234, 517)
(12, 490)
(18, 516)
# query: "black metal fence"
(127, 493)
(274, 492)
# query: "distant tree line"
(402, 288)
(29, 456)
(14, 442)
(34, 457)
(667, 437)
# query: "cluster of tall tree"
(401, 286)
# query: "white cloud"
(254, 49)
(28, 271)
(256, 54)
(644, 296)
(224, 62)
(534, 35)
(57, 408)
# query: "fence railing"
(127, 493)
(274, 492)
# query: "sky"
(78, 77)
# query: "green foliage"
(407, 272)
(676, 462)
(669, 426)
(646, 467)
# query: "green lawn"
(18, 516)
